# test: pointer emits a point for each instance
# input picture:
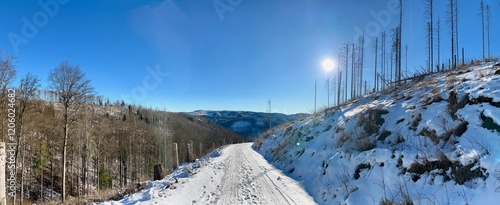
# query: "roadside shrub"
(327, 128)
(386, 201)
(454, 104)
(459, 173)
(460, 129)
(384, 134)
(360, 168)
(341, 139)
(400, 120)
(415, 121)
(451, 79)
(258, 142)
(371, 125)
(430, 134)
(365, 144)
(434, 99)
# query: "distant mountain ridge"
(246, 123)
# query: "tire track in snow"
(244, 182)
(229, 191)
(260, 174)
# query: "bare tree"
(488, 25)
(26, 92)
(429, 47)
(7, 74)
(395, 57)
(406, 60)
(71, 87)
(353, 69)
(481, 13)
(375, 50)
(7, 69)
(438, 29)
(429, 12)
(343, 61)
(383, 58)
(346, 48)
(339, 84)
(361, 60)
(451, 21)
(457, 48)
(399, 42)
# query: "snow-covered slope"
(235, 174)
(432, 141)
(245, 123)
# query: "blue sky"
(182, 56)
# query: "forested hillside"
(248, 124)
(108, 145)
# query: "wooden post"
(158, 172)
(3, 160)
(201, 151)
(190, 154)
(176, 149)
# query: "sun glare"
(328, 65)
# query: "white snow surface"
(234, 174)
(323, 151)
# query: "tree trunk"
(400, 36)
(51, 180)
(456, 31)
(41, 184)
(383, 59)
(488, 25)
(482, 25)
(352, 71)
(3, 180)
(375, 84)
(346, 70)
(65, 144)
(431, 30)
(21, 197)
(97, 168)
(361, 62)
(452, 25)
(438, 43)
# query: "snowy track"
(238, 176)
(249, 179)
(246, 181)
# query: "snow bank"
(424, 142)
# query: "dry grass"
(103, 195)
(451, 80)
(341, 139)
(365, 144)
(415, 121)
(435, 91)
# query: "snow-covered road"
(250, 179)
(238, 176)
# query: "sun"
(328, 64)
